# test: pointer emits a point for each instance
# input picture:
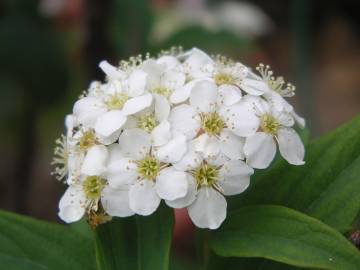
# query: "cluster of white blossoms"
(185, 128)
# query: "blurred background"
(50, 50)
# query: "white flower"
(234, 75)
(146, 171)
(208, 182)
(273, 126)
(196, 67)
(108, 112)
(206, 120)
(83, 196)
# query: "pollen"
(148, 168)
(212, 123)
(93, 185)
(87, 140)
(269, 124)
(116, 101)
(224, 78)
(206, 175)
(147, 122)
(161, 90)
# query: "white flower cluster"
(185, 128)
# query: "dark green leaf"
(141, 243)
(116, 244)
(281, 234)
(33, 244)
(154, 239)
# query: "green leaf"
(16, 263)
(141, 243)
(116, 244)
(26, 243)
(325, 187)
(284, 235)
(154, 239)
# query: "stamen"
(269, 124)
(147, 122)
(87, 140)
(60, 160)
(206, 175)
(163, 91)
(224, 78)
(212, 123)
(116, 101)
(92, 186)
(148, 168)
(276, 84)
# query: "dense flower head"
(183, 127)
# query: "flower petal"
(173, 79)
(185, 120)
(260, 150)
(190, 160)
(231, 145)
(162, 108)
(135, 143)
(114, 153)
(241, 119)
(228, 95)
(188, 198)
(277, 101)
(108, 140)
(111, 72)
(173, 151)
(203, 96)
(121, 173)
(169, 61)
(171, 184)
(143, 198)
(136, 83)
(72, 204)
(254, 87)
(208, 146)
(116, 202)
(298, 119)
(291, 146)
(182, 93)
(137, 104)
(87, 110)
(196, 62)
(161, 134)
(209, 209)
(236, 177)
(109, 122)
(95, 160)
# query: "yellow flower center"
(206, 175)
(116, 101)
(269, 124)
(92, 186)
(212, 123)
(147, 122)
(163, 91)
(87, 140)
(224, 78)
(148, 168)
